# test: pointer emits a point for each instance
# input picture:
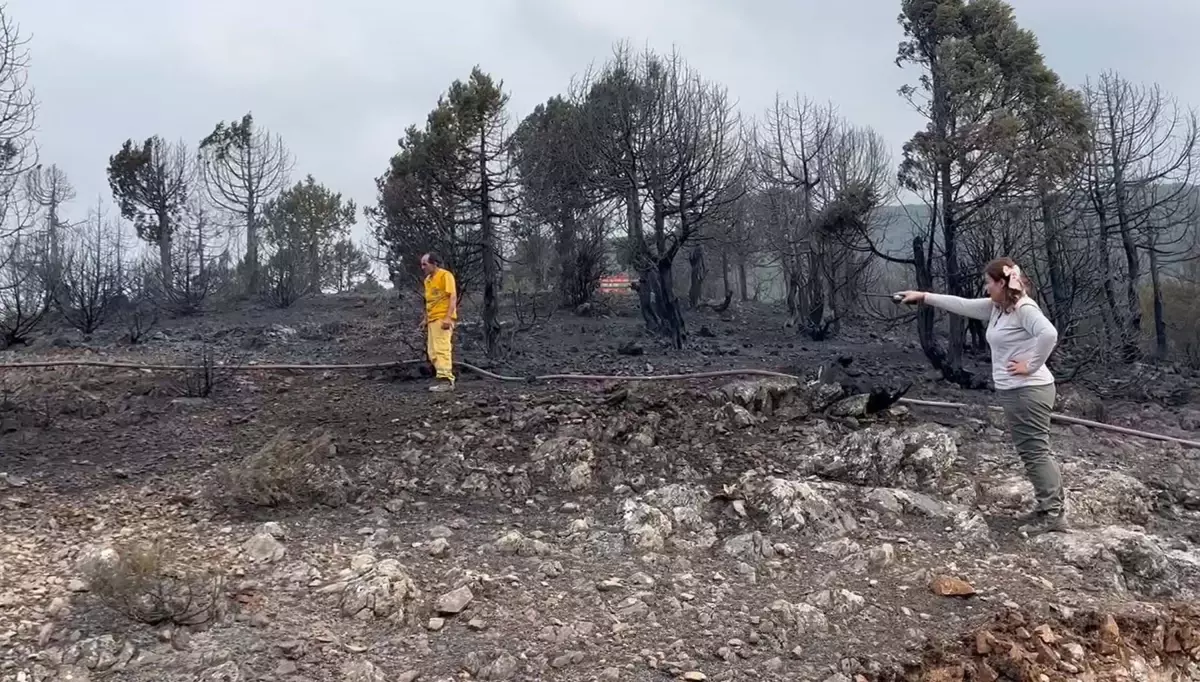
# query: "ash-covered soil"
(351, 526)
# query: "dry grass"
(287, 470)
(142, 583)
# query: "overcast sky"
(341, 79)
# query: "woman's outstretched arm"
(974, 308)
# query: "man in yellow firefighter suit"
(441, 313)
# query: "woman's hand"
(1018, 367)
(909, 297)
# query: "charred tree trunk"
(314, 266)
(667, 304)
(957, 334)
(164, 251)
(698, 272)
(647, 291)
(978, 335)
(1059, 300)
(253, 275)
(725, 271)
(818, 318)
(660, 306)
(568, 263)
(743, 280)
(1114, 318)
(1131, 350)
(793, 291)
(1161, 347)
(724, 304)
(926, 333)
(1131, 335)
(925, 318)
(814, 293)
(487, 233)
(952, 365)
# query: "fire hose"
(1057, 417)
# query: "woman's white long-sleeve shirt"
(1024, 334)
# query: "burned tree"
(859, 176)
(819, 180)
(1140, 176)
(552, 156)
(301, 225)
(200, 261)
(346, 265)
(666, 147)
(18, 153)
(984, 91)
(738, 239)
(92, 275)
(24, 299)
(23, 295)
(18, 110)
(449, 190)
(477, 108)
(418, 210)
(49, 188)
(243, 167)
(152, 183)
(789, 152)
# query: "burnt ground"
(570, 531)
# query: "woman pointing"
(1020, 338)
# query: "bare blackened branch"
(91, 285)
(243, 167)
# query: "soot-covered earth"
(351, 526)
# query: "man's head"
(430, 263)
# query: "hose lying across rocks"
(1061, 418)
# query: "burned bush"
(143, 582)
(287, 470)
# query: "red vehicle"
(616, 284)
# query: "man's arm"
(452, 292)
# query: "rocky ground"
(352, 527)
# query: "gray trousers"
(1028, 411)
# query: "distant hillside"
(897, 225)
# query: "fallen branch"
(400, 363)
(1062, 418)
(1065, 419)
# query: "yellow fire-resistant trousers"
(438, 345)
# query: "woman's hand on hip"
(1018, 367)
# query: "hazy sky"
(341, 79)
